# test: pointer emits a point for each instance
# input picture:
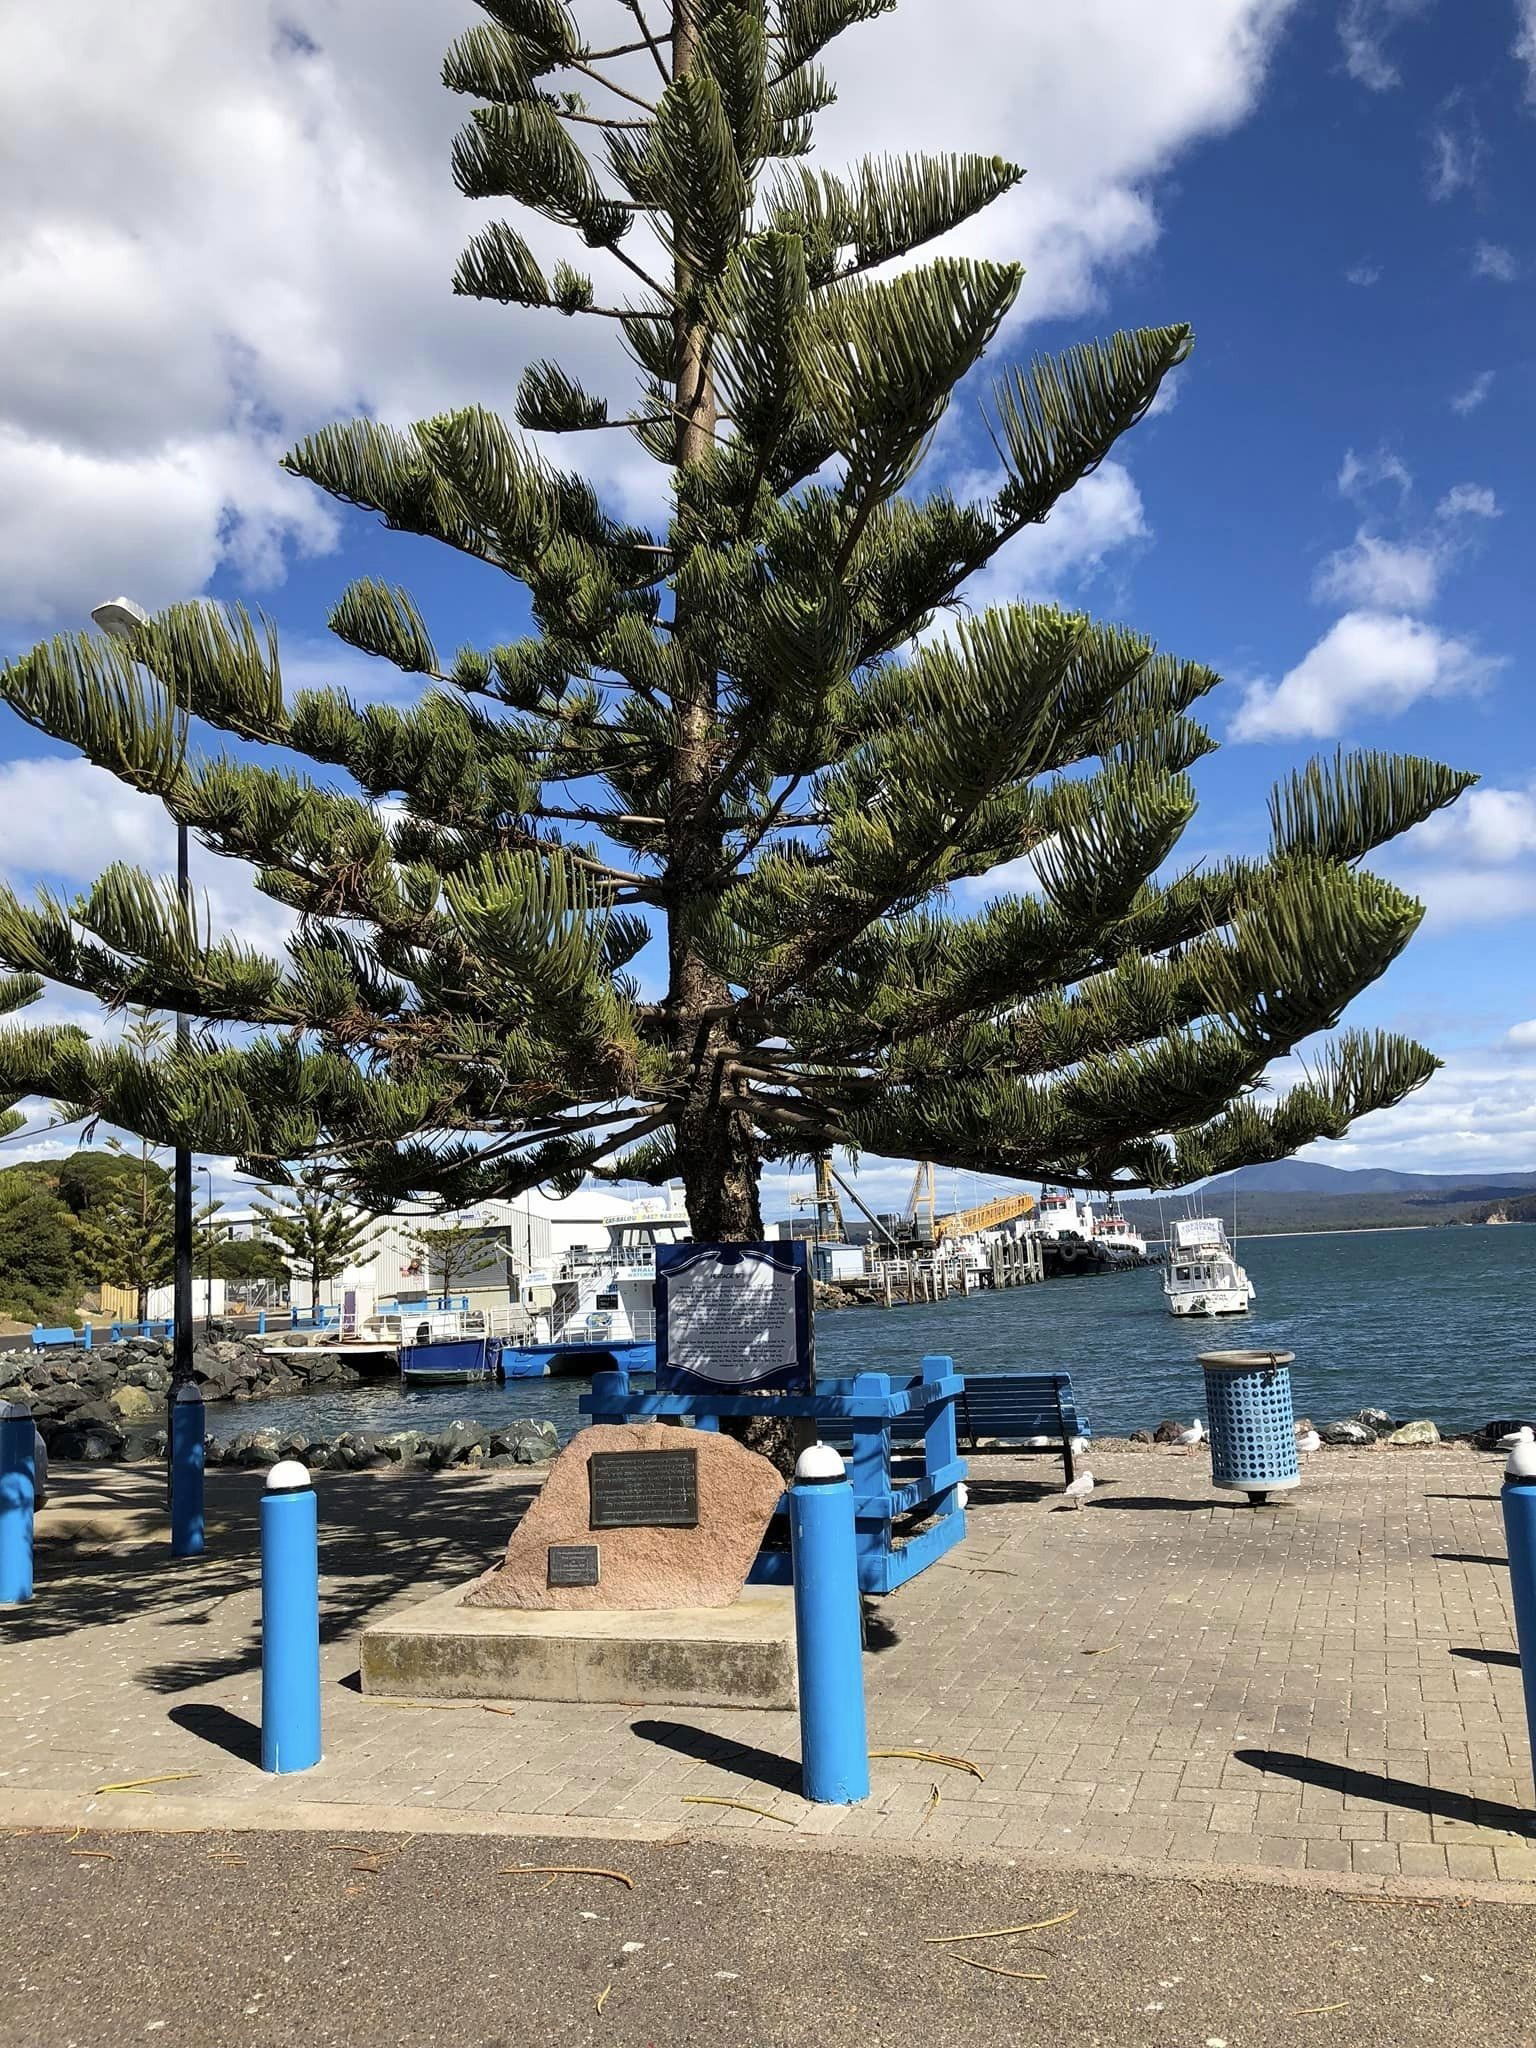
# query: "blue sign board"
(733, 1318)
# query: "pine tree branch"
(601, 121)
(628, 49)
(586, 70)
(652, 42)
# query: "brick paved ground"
(1326, 1686)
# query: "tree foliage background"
(748, 748)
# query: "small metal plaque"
(574, 1564)
(644, 1489)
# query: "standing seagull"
(1195, 1434)
(1309, 1440)
(1077, 1493)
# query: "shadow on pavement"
(1465, 1557)
(744, 1758)
(1511, 1658)
(226, 1731)
(1357, 1784)
(380, 1536)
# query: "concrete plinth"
(737, 1656)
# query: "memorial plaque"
(644, 1489)
(733, 1316)
(574, 1564)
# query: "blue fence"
(326, 1317)
(903, 1458)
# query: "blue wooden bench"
(998, 1414)
(906, 1496)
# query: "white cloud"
(1523, 1034)
(1101, 514)
(1364, 274)
(1492, 259)
(252, 232)
(1359, 475)
(1367, 663)
(63, 821)
(1486, 827)
(1474, 394)
(1468, 501)
(1364, 26)
(1478, 1113)
(1474, 864)
(1380, 575)
(1525, 44)
(1456, 148)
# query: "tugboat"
(1117, 1238)
(1066, 1233)
(1202, 1277)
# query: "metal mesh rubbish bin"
(1252, 1424)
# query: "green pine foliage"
(453, 1254)
(39, 1275)
(315, 1233)
(125, 1235)
(736, 732)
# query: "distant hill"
(1345, 1201)
(1307, 1177)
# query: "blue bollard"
(17, 1498)
(261, 1324)
(1519, 1503)
(290, 1621)
(87, 1338)
(834, 1740)
(185, 1452)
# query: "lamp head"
(119, 618)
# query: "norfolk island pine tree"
(738, 734)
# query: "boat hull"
(451, 1361)
(575, 1360)
(1212, 1302)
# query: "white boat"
(1202, 1277)
(1115, 1235)
(1063, 1218)
(596, 1309)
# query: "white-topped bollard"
(834, 1738)
(18, 1494)
(290, 1620)
(1518, 1500)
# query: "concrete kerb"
(42, 1812)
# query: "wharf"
(1169, 1679)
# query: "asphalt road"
(197, 1940)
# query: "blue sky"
(1334, 510)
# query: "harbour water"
(1419, 1322)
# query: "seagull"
(962, 1496)
(1309, 1440)
(1195, 1434)
(1523, 1435)
(1079, 1490)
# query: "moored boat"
(596, 1310)
(447, 1350)
(1202, 1277)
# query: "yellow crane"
(985, 1216)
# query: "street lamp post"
(122, 619)
(207, 1173)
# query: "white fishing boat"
(1202, 1277)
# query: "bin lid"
(1245, 1361)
